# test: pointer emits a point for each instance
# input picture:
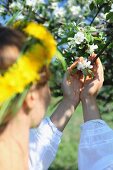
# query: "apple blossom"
(31, 3)
(1, 9)
(20, 17)
(59, 12)
(60, 31)
(92, 48)
(75, 10)
(16, 5)
(41, 1)
(78, 38)
(54, 5)
(85, 64)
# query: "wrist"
(88, 97)
(71, 101)
(63, 113)
(90, 108)
(88, 101)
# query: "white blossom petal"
(75, 10)
(59, 12)
(79, 37)
(84, 65)
(92, 48)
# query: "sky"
(2, 21)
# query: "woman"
(26, 104)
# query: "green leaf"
(109, 16)
(4, 107)
(61, 58)
(13, 19)
(74, 71)
(14, 103)
(99, 2)
(92, 6)
(19, 100)
(63, 41)
(106, 9)
(89, 37)
(91, 73)
(93, 29)
(97, 38)
(85, 73)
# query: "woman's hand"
(92, 85)
(71, 86)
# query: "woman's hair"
(10, 37)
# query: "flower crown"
(41, 48)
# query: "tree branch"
(99, 9)
(103, 49)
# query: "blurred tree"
(81, 27)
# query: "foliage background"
(65, 18)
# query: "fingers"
(67, 78)
(81, 77)
(100, 72)
(92, 56)
(98, 75)
(75, 63)
(98, 69)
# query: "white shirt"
(96, 146)
(44, 142)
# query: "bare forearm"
(90, 108)
(63, 113)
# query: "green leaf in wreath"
(61, 58)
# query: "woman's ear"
(30, 100)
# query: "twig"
(99, 9)
(95, 17)
(103, 49)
